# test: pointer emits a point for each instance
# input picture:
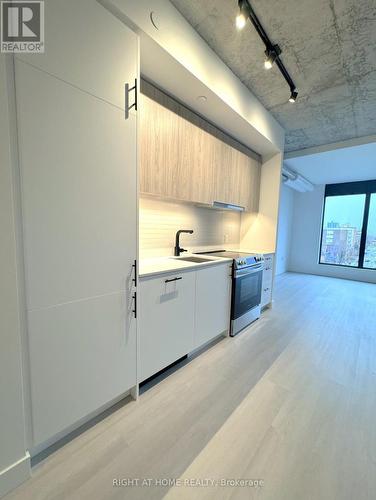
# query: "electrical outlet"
(225, 238)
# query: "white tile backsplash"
(159, 220)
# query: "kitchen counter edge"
(156, 267)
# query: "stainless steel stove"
(246, 287)
(241, 259)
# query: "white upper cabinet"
(88, 47)
(78, 170)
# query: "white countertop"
(161, 265)
(263, 251)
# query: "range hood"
(227, 206)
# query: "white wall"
(14, 461)
(305, 241)
(259, 230)
(159, 221)
(285, 219)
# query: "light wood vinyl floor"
(291, 402)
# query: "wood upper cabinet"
(158, 147)
(246, 180)
(238, 179)
(197, 164)
(176, 156)
(182, 161)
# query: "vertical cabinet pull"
(135, 273)
(134, 297)
(127, 91)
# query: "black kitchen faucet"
(179, 250)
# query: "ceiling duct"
(296, 181)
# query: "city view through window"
(342, 231)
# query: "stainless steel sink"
(197, 260)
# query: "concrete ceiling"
(328, 48)
(351, 164)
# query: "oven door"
(246, 290)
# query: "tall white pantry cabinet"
(78, 171)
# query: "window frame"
(348, 188)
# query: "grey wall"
(14, 462)
(285, 218)
(305, 241)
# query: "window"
(342, 229)
(370, 251)
(348, 236)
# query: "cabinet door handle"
(135, 273)
(134, 297)
(173, 279)
(127, 90)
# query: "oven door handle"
(252, 270)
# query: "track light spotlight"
(271, 56)
(241, 18)
(293, 96)
(240, 21)
(268, 64)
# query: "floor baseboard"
(15, 474)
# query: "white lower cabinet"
(212, 315)
(166, 320)
(267, 280)
(266, 296)
(179, 312)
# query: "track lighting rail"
(272, 51)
